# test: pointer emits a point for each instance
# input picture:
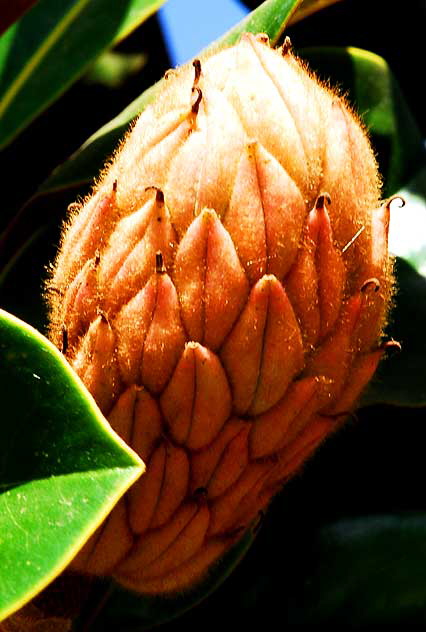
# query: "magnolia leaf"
(353, 572)
(366, 571)
(10, 12)
(309, 7)
(62, 468)
(51, 46)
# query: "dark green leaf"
(305, 8)
(62, 468)
(43, 53)
(271, 18)
(373, 90)
(309, 7)
(366, 571)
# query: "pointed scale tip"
(390, 347)
(321, 201)
(197, 69)
(370, 284)
(159, 195)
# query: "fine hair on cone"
(222, 293)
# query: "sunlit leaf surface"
(62, 468)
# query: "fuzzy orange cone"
(223, 294)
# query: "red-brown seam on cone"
(315, 284)
(350, 178)
(122, 274)
(253, 355)
(147, 424)
(175, 483)
(186, 544)
(234, 460)
(186, 574)
(152, 545)
(112, 543)
(80, 302)
(131, 326)
(305, 120)
(256, 98)
(304, 419)
(224, 508)
(144, 494)
(330, 270)
(226, 139)
(205, 461)
(361, 373)
(270, 430)
(278, 212)
(257, 282)
(97, 365)
(121, 417)
(87, 234)
(244, 219)
(210, 281)
(197, 400)
(149, 326)
(149, 153)
(127, 234)
(157, 495)
(165, 338)
(294, 455)
(301, 285)
(334, 357)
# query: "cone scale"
(222, 294)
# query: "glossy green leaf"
(366, 571)
(309, 7)
(271, 17)
(51, 46)
(372, 89)
(62, 468)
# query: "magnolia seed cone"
(222, 295)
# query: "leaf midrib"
(42, 51)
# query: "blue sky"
(189, 25)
